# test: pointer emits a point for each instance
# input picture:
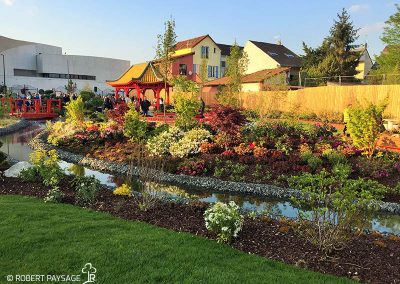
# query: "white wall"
(49, 59)
(258, 59)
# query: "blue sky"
(128, 29)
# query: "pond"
(16, 146)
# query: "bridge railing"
(33, 107)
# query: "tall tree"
(203, 74)
(335, 56)
(389, 60)
(165, 48)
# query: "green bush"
(29, 175)
(314, 162)
(335, 157)
(365, 126)
(186, 107)
(75, 111)
(54, 195)
(337, 206)
(87, 95)
(3, 159)
(134, 128)
(86, 189)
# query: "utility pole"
(4, 72)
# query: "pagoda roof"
(145, 73)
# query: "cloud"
(358, 8)
(371, 28)
(8, 2)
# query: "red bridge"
(31, 108)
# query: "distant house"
(365, 63)
(225, 52)
(253, 82)
(189, 54)
(263, 55)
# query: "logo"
(90, 271)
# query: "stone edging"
(23, 123)
(205, 183)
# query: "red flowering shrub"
(227, 141)
(192, 168)
(228, 153)
(226, 119)
(118, 113)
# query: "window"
(223, 64)
(209, 71)
(182, 69)
(204, 52)
(215, 49)
(216, 72)
(273, 53)
(289, 55)
(24, 72)
(194, 68)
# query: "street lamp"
(4, 70)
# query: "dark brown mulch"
(372, 258)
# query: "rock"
(16, 169)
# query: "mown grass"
(41, 238)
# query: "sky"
(127, 29)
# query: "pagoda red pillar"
(157, 91)
(167, 92)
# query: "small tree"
(237, 63)
(70, 87)
(365, 126)
(186, 103)
(203, 74)
(164, 51)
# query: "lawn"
(42, 238)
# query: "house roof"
(226, 48)
(280, 53)
(190, 43)
(255, 77)
(142, 72)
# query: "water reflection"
(16, 146)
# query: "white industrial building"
(41, 66)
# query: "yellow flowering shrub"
(124, 189)
(61, 130)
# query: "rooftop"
(280, 53)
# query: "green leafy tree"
(389, 61)
(237, 62)
(186, 103)
(335, 56)
(165, 48)
(203, 74)
(365, 125)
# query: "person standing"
(202, 107)
(145, 105)
(162, 104)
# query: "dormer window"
(272, 53)
(289, 55)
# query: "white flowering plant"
(159, 145)
(190, 143)
(224, 220)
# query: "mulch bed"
(371, 258)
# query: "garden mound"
(369, 258)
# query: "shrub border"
(205, 183)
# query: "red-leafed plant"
(118, 113)
(226, 119)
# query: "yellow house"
(189, 55)
(263, 55)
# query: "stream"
(16, 146)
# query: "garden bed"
(371, 258)
(198, 182)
